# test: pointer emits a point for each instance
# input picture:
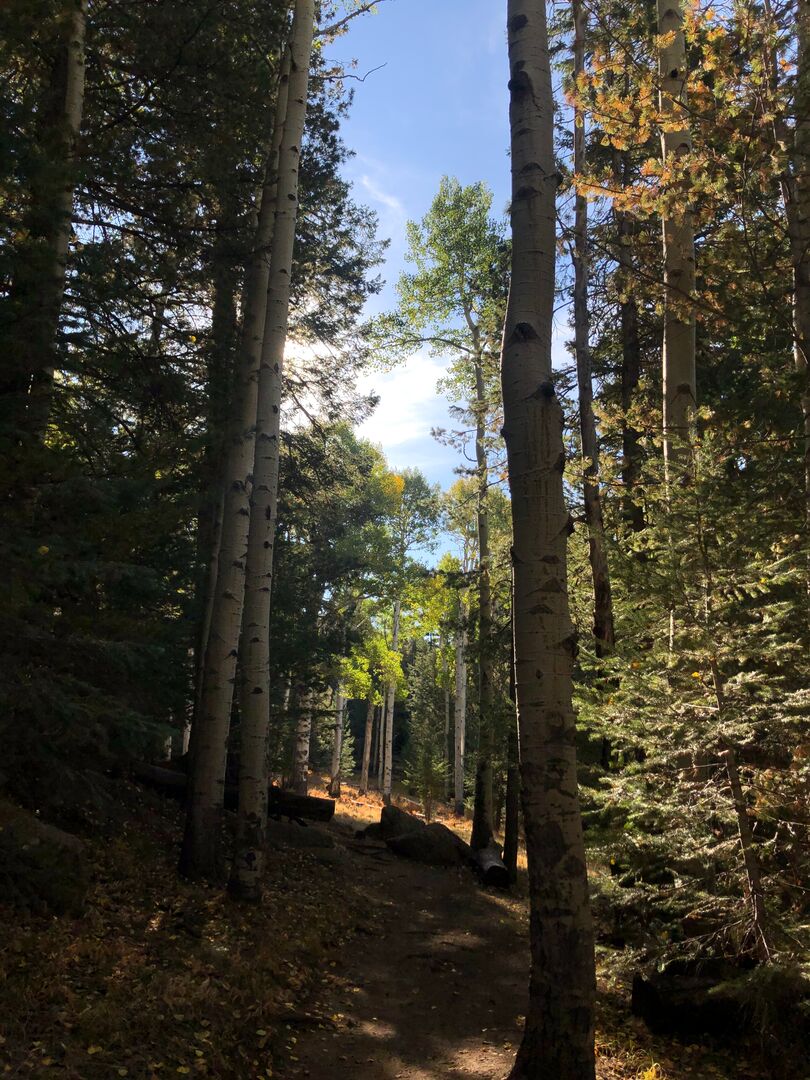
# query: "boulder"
(42, 868)
(435, 845)
(396, 822)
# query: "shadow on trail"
(433, 986)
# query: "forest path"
(431, 987)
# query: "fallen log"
(490, 867)
(280, 803)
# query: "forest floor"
(357, 964)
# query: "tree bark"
(680, 393)
(483, 805)
(201, 855)
(603, 625)
(796, 199)
(303, 737)
(254, 655)
(753, 879)
(388, 742)
(337, 746)
(558, 1039)
(460, 714)
(39, 277)
(369, 733)
(381, 743)
(511, 831)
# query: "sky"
(439, 106)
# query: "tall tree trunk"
(558, 1036)
(460, 714)
(254, 654)
(796, 198)
(446, 743)
(337, 746)
(388, 742)
(483, 805)
(220, 352)
(39, 277)
(632, 510)
(303, 737)
(680, 394)
(381, 743)
(367, 739)
(603, 628)
(201, 855)
(511, 831)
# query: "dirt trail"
(433, 986)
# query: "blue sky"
(438, 106)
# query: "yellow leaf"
(184, 1069)
(93, 1049)
(43, 550)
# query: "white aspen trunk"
(460, 717)
(201, 855)
(388, 742)
(367, 746)
(558, 1039)
(337, 746)
(53, 206)
(483, 805)
(303, 737)
(603, 624)
(680, 393)
(249, 851)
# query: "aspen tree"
(388, 737)
(603, 626)
(337, 746)
(460, 713)
(679, 244)
(39, 282)
(255, 651)
(558, 1036)
(201, 855)
(370, 707)
(303, 736)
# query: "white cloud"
(409, 404)
(384, 198)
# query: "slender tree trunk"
(388, 750)
(255, 651)
(39, 276)
(603, 627)
(632, 511)
(483, 805)
(754, 892)
(558, 1036)
(367, 745)
(303, 737)
(511, 832)
(446, 743)
(753, 879)
(201, 855)
(221, 349)
(381, 743)
(796, 199)
(680, 393)
(337, 746)
(460, 714)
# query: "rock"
(371, 832)
(396, 822)
(686, 1006)
(435, 845)
(41, 867)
